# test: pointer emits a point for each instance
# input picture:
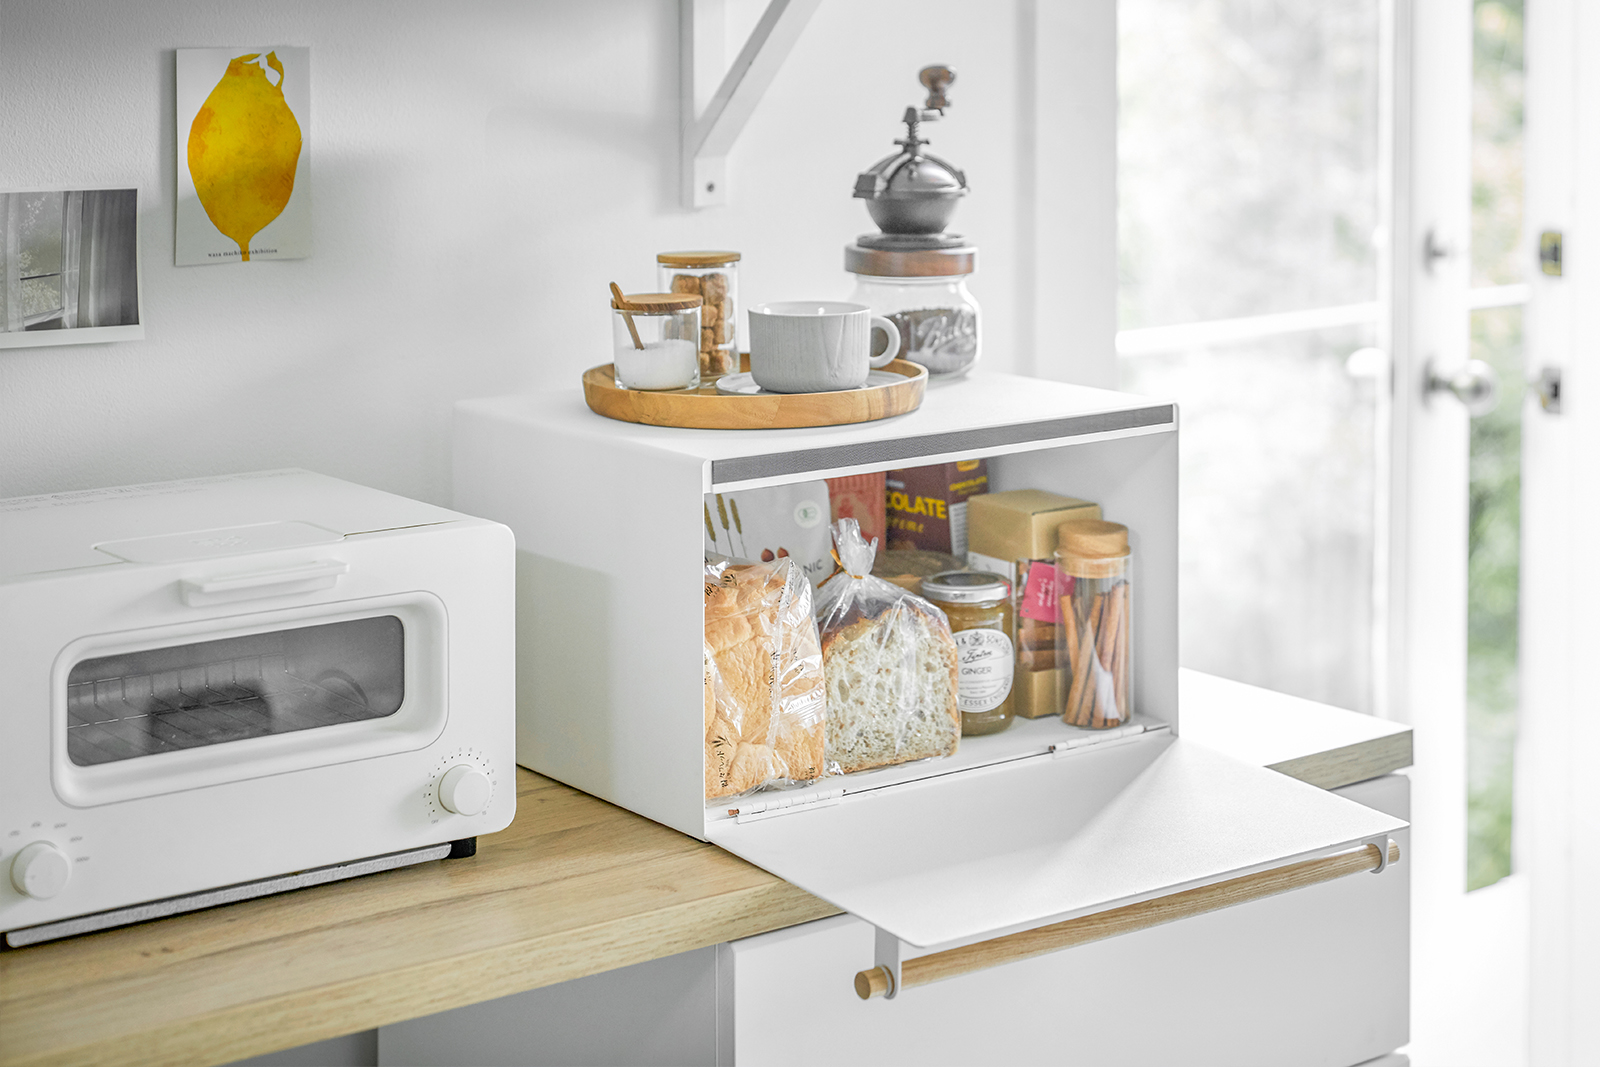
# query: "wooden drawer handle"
(1147, 913)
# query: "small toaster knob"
(465, 790)
(40, 870)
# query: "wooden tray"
(706, 409)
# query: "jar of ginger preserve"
(978, 605)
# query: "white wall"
(480, 171)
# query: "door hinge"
(1550, 252)
(1098, 737)
(1547, 387)
(784, 805)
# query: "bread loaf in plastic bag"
(890, 665)
(763, 677)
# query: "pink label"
(1042, 591)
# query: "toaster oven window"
(213, 692)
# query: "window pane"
(191, 696)
(1247, 157)
(39, 235)
(1498, 257)
(1275, 517)
(1494, 538)
(41, 295)
(1493, 574)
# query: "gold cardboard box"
(1005, 533)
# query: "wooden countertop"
(574, 887)
(1325, 746)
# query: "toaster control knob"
(465, 790)
(40, 870)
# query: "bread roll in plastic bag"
(890, 665)
(763, 677)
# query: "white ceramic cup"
(816, 346)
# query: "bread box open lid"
(1019, 829)
(1025, 843)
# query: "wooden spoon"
(627, 318)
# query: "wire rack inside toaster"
(110, 719)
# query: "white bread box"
(1027, 828)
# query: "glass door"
(1319, 227)
(1250, 202)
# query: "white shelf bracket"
(886, 954)
(712, 121)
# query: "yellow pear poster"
(243, 154)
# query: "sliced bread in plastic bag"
(889, 661)
(763, 678)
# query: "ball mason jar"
(924, 293)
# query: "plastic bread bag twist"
(890, 665)
(763, 678)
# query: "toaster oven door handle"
(300, 578)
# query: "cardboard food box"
(926, 507)
(860, 497)
(1014, 534)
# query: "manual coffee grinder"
(912, 270)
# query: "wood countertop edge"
(1351, 763)
(318, 1012)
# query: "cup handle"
(888, 327)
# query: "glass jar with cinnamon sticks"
(1093, 634)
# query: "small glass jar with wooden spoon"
(655, 340)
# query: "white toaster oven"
(223, 687)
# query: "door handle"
(879, 981)
(300, 578)
(1474, 383)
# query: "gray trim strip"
(894, 450)
(210, 898)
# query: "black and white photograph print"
(69, 267)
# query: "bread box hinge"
(1099, 737)
(784, 805)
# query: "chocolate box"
(926, 507)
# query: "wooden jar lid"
(697, 259)
(919, 263)
(658, 303)
(1091, 548)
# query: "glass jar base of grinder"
(924, 293)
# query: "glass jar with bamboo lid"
(654, 338)
(1093, 637)
(713, 276)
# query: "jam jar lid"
(966, 587)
